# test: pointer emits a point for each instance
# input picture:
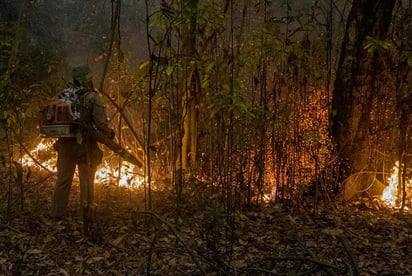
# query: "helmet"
(81, 74)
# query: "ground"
(358, 238)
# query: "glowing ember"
(47, 157)
(390, 194)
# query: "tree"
(356, 85)
(191, 87)
(403, 36)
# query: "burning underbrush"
(111, 171)
(124, 174)
(333, 240)
(393, 194)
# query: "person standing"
(82, 150)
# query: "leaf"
(169, 70)
(332, 231)
(34, 251)
(372, 44)
(239, 263)
(144, 65)
(292, 219)
(243, 242)
(119, 239)
(19, 169)
(94, 259)
(64, 272)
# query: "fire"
(127, 176)
(44, 154)
(391, 194)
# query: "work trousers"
(69, 157)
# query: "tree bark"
(189, 112)
(356, 83)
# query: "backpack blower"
(61, 118)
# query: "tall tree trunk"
(191, 88)
(404, 96)
(356, 84)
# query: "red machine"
(56, 120)
(61, 118)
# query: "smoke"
(71, 28)
(80, 31)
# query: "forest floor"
(360, 238)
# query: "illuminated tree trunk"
(404, 98)
(191, 88)
(356, 84)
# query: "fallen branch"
(265, 271)
(313, 257)
(30, 155)
(354, 270)
(302, 259)
(2, 226)
(44, 178)
(177, 235)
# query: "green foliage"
(265, 42)
(18, 102)
(406, 56)
(372, 45)
(6, 39)
(241, 219)
(19, 170)
(43, 91)
(209, 18)
(7, 115)
(169, 70)
(229, 100)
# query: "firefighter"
(82, 150)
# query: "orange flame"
(390, 193)
(127, 177)
(43, 150)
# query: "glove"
(111, 134)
